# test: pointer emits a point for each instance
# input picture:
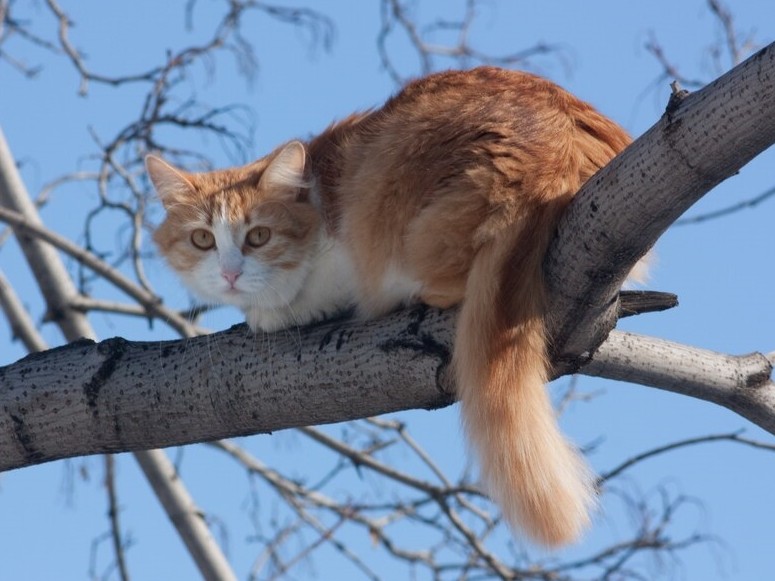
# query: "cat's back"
(454, 87)
(481, 95)
(451, 122)
(464, 114)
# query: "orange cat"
(448, 194)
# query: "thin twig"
(113, 517)
(751, 203)
(151, 303)
(732, 437)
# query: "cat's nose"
(231, 276)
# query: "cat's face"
(242, 236)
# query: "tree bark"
(119, 395)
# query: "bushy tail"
(539, 480)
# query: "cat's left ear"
(171, 183)
(286, 170)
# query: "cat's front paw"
(267, 320)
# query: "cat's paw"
(267, 320)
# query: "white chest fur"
(330, 284)
(327, 288)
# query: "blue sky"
(721, 269)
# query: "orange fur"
(449, 193)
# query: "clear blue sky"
(722, 269)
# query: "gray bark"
(119, 395)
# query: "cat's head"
(242, 236)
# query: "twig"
(395, 15)
(751, 203)
(151, 303)
(733, 437)
(113, 512)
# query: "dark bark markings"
(114, 350)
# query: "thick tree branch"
(119, 395)
(617, 216)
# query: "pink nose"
(231, 276)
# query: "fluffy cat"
(449, 194)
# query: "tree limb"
(119, 395)
(617, 216)
(740, 383)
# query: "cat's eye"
(202, 239)
(257, 236)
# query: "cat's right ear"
(285, 171)
(171, 183)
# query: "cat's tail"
(540, 481)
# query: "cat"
(449, 194)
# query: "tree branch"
(113, 515)
(120, 395)
(24, 225)
(617, 216)
(740, 383)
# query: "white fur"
(396, 288)
(230, 257)
(327, 286)
(640, 272)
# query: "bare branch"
(750, 203)
(670, 70)
(396, 16)
(581, 272)
(637, 459)
(150, 303)
(730, 45)
(113, 516)
(740, 383)
(77, 60)
(9, 27)
(650, 537)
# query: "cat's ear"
(171, 183)
(286, 171)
